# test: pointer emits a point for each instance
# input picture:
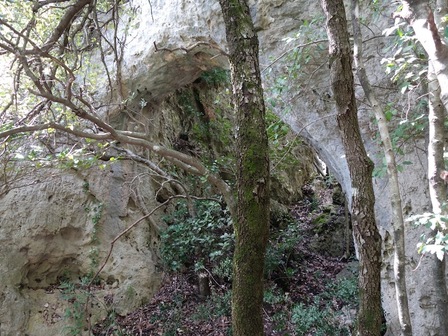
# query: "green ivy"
(75, 314)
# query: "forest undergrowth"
(311, 284)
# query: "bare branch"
(188, 163)
(65, 22)
(146, 162)
(121, 234)
(41, 127)
(39, 4)
(292, 49)
(60, 89)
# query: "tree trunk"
(436, 118)
(252, 215)
(397, 211)
(437, 192)
(360, 167)
(421, 17)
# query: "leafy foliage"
(408, 64)
(322, 315)
(206, 240)
(216, 77)
(76, 314)
(437, 242)
(281, 246)
(197, 241)
(295, 283)
(404, 128)
(303, 57)
(281, 144)
(218, 305)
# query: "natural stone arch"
(310, 114)
(152, 74)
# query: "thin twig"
(314, 121)
(121, 234)
(150, 10)
(292, 49)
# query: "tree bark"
(392, 172)
(436, 118)
(423, 20)
(252, 215)
(421, 17)
(360, 167)
(437, 192)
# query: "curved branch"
(121, 234)
(188, 163)
(39, 4)
(65, 23)
(41, 127)
(83, 109)
(190, 48)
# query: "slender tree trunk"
(436, 118)
(360, 166)
(424, 22)
(397, 211)
(437, 192)
(421, 17)
(252, 218)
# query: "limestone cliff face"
(58, 228)
(305, 104)
(46, 227)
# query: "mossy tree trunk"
(252, 215)
(360, 167)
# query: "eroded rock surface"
(43, 227)
(305, 103)
(57, 230)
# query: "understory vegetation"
(306, 292)
(81, 91)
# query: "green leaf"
(388, 115)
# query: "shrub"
(195, 242)
(282, 246)
(323, 319)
